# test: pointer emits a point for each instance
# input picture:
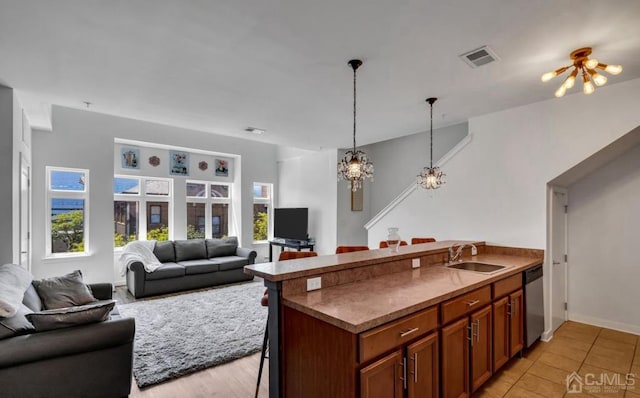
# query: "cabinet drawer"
(507, 285)
(466, 303)
(393, 334)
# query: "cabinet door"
(383, 378)
(455, 360)
(481, 340)
(516, 322)
(500, 333)
(422, 357)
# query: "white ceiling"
(221, 66)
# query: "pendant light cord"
(430, 101)
(354, 110)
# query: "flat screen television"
(291, 223)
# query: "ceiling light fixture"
(254, 130)
(355, 167)
(431, 177)
(582, 63)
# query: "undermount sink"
(477, 267)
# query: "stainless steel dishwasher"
(534, 303)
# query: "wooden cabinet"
(383, 378)
(422, 357)
(508, 333)
(455, 360)
(412, 368)
(481, 366)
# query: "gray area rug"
(182, 334)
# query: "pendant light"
(355, 167)
(431, 177)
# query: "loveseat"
(87, 360)
(190, 264)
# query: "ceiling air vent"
(479, 56)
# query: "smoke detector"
(479, 56)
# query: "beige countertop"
(310, 266)
(365, 304)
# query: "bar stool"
(349, 249)
(415, 241)
(264, 301)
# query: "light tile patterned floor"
(594, 353)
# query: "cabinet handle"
(478, 330)
(404, 372)
(470, 337)
(471, 303)
(509, 309)
(408, 332)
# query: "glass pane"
(195, 190)
(261, 191)
(195, 220)
(220, 220)
(125, 218)
(219, 191)
(67, 180)
(260, 222)
(126, 186)
(67, 225)
(157, 187)
(157, 221)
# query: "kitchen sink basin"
(477, 267)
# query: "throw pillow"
(17, 324)
(164, 251)
(14, 280)
(64, 291)
(222, 247)
(190, 249)
(71, 316)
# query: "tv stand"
(290, 243)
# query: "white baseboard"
(547, 335)
(622, 327)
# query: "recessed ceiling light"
(254, 130)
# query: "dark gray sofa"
(191, 264)
(91, 360)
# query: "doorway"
(559, 200)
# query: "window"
(141, 209)
(261, 211)
(207, 201)
(67, 226)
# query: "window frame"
(142, 198)
(208, 201)
(268, 201)
(64, 194)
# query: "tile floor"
(594, 353)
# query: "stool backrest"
(415, 241)
(348, 249)
(290, 255)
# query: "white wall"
(307, 179)
(82, 139)
(603, 231)
(497, 184)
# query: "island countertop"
(365, 304)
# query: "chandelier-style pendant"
(355, 167)
(585, 65)
(431, 177)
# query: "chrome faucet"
(458, 255)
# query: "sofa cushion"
(192, 267)
(190, 249)
(64, 291)
(167, 270)
(32, 300)
(231, 262)
(71, 316)
(164, 251)
(17, 324)
(222, 247)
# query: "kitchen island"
(386, 324)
